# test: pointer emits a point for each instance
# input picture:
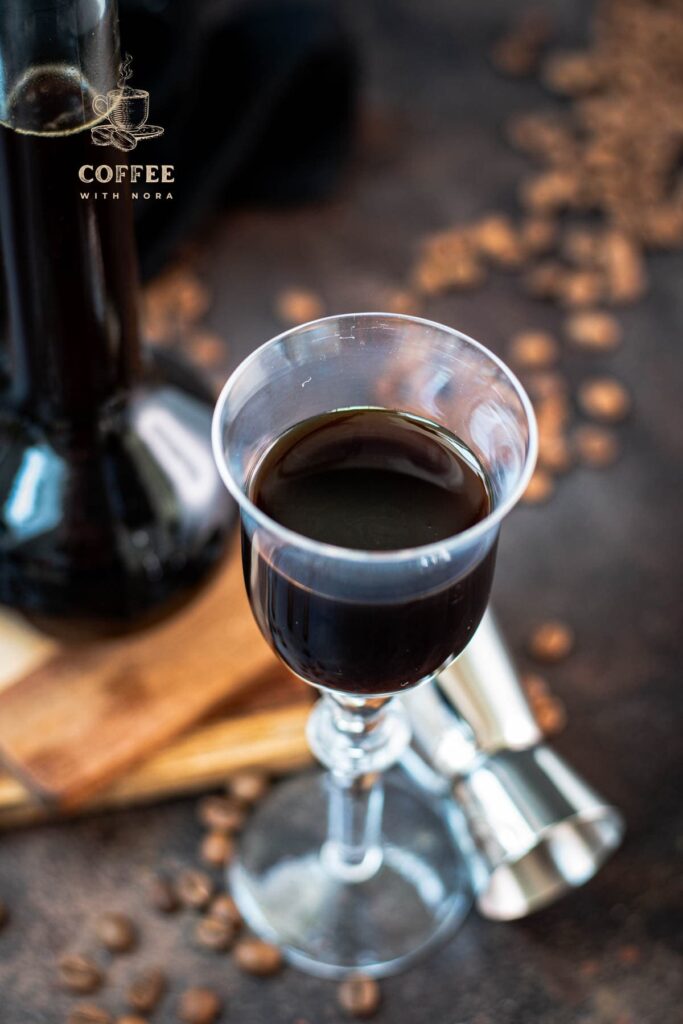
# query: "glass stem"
(357, 739)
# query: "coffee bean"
(256, 957)
(116, 932)
(539, 488)
(162, 895)
(248, 787)
(550, 192)
(146, 989)
(220, 814)
(554, 453)
(573, 74)
(551, 641)
(396, 300)
(359, 996)
(207, 348)
(497, 239)
(4, 914)
(533, 349)
(297, 305)
(194, 888)
(538, 235)
(89, 1013)
(216, 849)
(597, 331)
(624, 269)
(224, 907)
(79, 974)
(581, 289)
(596, 446)
(604, 398)
(215, 933)
(550, 714)
(131, 1018)
(199, 1006)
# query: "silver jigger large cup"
(533, 828)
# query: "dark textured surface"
(603, 554)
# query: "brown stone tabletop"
(603, 554)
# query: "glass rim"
(454, 542)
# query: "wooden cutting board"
(73, 720)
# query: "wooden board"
(271, 739)
(84, 716)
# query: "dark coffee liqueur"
(373, 480)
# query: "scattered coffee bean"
(554, 453)
(297, 305)
(539, 488)
(199, 1006)
(538, 235)
(398, 301)
(604, 398)
(216, 849)
(215, 932)
(550, 192)
(551, 641)
(131, 1018)
(4, 914)
(224, 907)
(359, 996)
(194, 888)
(534, 349)
(190, 296)
(116, 932)
(551, 715)
(581, 289)
(593, 330)
(89, 1013)
(256, 957)
(497, 239)
(596, 446)
(79, 974)
(624, 269)
(221, 814)
(146, 989)
(207, 348)
(248, 787)
(573, 74)
(162, 895)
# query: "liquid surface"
(372, 480)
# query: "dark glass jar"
(111, 509)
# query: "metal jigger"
(533, 829)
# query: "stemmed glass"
(352, 870)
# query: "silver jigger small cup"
(531, 827)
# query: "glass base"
(289, 893)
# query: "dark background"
(603, 554)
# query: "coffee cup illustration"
(125, 111)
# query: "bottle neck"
(70, 277)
